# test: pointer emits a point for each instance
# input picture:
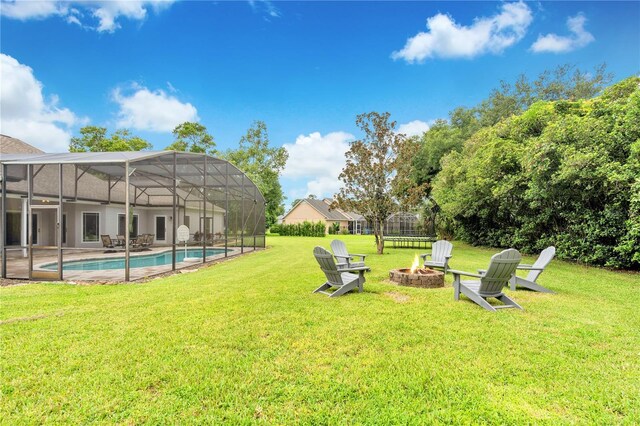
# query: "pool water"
(155, 259)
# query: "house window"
(122, 225)
(90, 227)
(187, 221)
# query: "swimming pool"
(155, 259)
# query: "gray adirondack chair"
(546, 256)
(440, 255)
(341, 280)
(490, 282)
(343, 257)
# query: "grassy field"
(245, 341)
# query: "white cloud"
(105, 12)
(447, 39)
(413, 128)
(560, 44)
(317, 161)
(266, 7)
(156, 110)
(25, 113)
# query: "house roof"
(322, 207)
(9, 145)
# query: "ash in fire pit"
(417, 277)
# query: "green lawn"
(245, 341)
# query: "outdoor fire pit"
(417, 277)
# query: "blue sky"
(305, 68)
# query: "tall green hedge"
(304, 229)
(562, 173)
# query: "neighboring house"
(312, 210)
(94, 206)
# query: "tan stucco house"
(312, 210)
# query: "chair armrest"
(466, 274)
(340, 256)
(424, 256)
(482, 271)
(359, 255)
(529, 268)
(356, 269)
(449, 256)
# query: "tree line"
(538, 163)
(254, 155)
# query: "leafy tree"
(94, 139)
(563, 83)
(369, 172)
(192, 137)
(563, 173)
(263, 164)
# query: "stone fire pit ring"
(422, 278)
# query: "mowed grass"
(245, 341)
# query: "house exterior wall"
(302, 212)
(109, 221)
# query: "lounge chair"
(343, 257)
(341, 280)
(145, 241)
(119, 241)
(546, 256)
(107, 242)
(440, 255)
(490, 282)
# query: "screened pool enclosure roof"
(151, 172)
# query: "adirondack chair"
(341, 280)
(343, 257)
(490, 282)
(440, 255)
(546, 256)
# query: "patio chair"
(440, 255)
(145, 241)
(490, 282)
(341, 280)
(343, 257)
(120, 242)
(546, 256)
(107, 242)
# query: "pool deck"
(18, 267)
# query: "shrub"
(304, 229)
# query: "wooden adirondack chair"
(343, 257)
(546, 256)
(440, 255)
(490, 282)
(341, 280)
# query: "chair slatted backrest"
(106, 241)
(546, 256)
(151, 239)
(440, 249)
(328, 266)
(339, 248)
(500, 269)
